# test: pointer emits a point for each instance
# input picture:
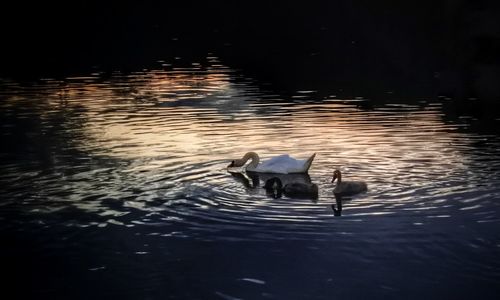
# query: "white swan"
(281, 164)
(347, 187)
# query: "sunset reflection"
(195, 115)
(170, 135)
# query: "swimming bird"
(347, 187)
(275, 187)
(281, 164)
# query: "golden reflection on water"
(132, 116)
(159, 142)
(199, 115)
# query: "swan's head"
(236, 163)
(336, 175)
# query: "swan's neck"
(339, 178)
(255, 160)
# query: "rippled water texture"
(119, 182)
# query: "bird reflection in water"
(337, 211)
(249, 180)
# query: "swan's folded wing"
(283, 164)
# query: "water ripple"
(150, 149)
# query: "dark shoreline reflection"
(420, 50)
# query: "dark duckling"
(348, 187)
(293, 189)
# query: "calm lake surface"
(115, 185)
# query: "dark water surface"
(115, 185)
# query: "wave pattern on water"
(150, 149)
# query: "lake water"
(115, 185)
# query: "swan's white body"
(281, 164)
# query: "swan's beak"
(334, 177)
(231, 164)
